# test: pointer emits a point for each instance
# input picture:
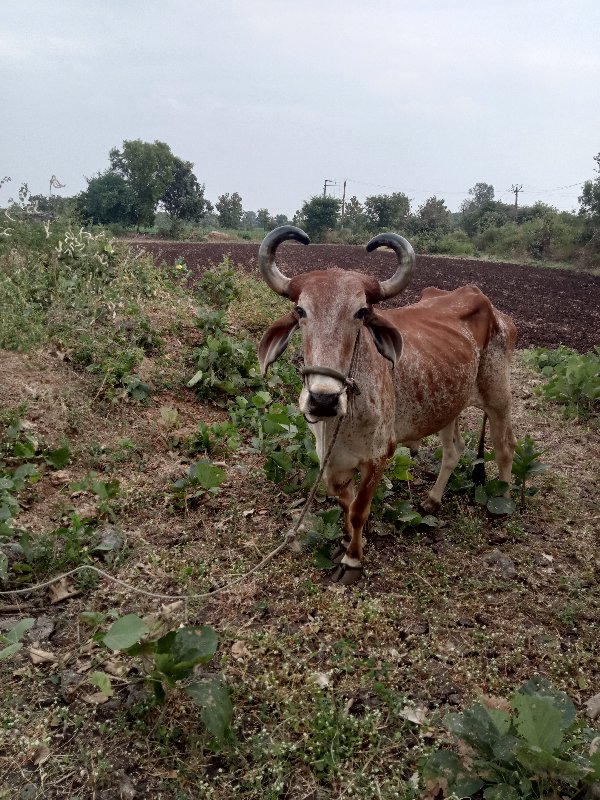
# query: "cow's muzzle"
(323, 405)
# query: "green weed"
(573, 379)
(534, 750)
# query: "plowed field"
(549, 306)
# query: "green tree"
(280, 219)
(354, 215)
(387, 212)
(589, 201)
(183, 199)
(318, 215)
(433, 216)
(230, 210)
(479, 196)
(148, 169)
(108, 199)
(249, 220)
(264, 219)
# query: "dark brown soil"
(550, 306)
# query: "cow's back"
(444, 336)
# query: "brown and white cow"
(413, 370)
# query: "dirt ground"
(550, 306)
(435, 621)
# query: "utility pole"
(343, 203)
(326, 184)
(516, 189)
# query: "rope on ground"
(289, 536)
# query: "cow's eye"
(362, 313)
(300, 312)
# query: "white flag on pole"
(55, 183)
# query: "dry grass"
(319, 674)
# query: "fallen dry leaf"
(321, 679)
(416, 714)
(62, 590)
(170, 610)
(239, 650)
(39, 755)
(116, 668)
(96, 699)
(38, 656)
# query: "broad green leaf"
(92, 618)
(539, 761)
(538, 685)
(481, 496)
(446, 766)
(9, 651)
(501, 720)
(331, 516)
(102, 681)
(476, 727)
(58, 458)
(538, 721)
(260, 399)
(125, 632)
(501, 505)
(25, 450)
(144, 648)
(215, 702)
(207, 475)
(195, 379)
(16, 634)
(194, 645)
(495, 488)
(322, 559)
(26, 546)
(25, 471)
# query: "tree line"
(146, 178)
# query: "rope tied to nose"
(349, 385)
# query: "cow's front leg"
(343, 488)
(350, 568)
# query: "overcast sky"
(271, 97)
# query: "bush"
(456, 243)
(573, 378)
(534, 747)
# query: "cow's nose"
(323, 405)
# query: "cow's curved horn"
(406, 262)
(266, 256)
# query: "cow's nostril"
(323, 405)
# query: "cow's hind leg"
(350, 568)
(452, 448)
(503, 440)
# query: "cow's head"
(330, 308)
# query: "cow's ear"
(275, 340)
(387, 338)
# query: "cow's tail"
(479, 476)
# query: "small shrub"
(535, 748)
(573, 379)
(218, 285)
(167, 662)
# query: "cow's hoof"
(430, 506)
(340, 550)
(346, 575)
